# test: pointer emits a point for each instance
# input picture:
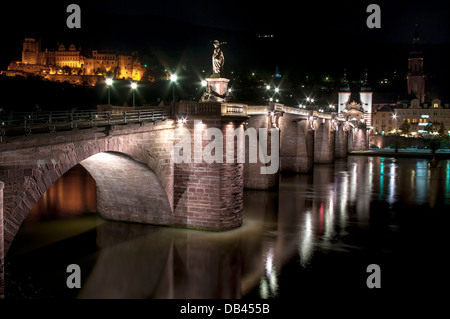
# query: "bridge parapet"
(17, 123)
(211, 109)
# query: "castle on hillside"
(71, 66)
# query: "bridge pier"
(324, 141)
(341, 143)
(296, 144)
(253, 179)
(358, 139)
(209, 195)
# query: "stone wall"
(385, 141)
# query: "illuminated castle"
(72, 64)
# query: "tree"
(405, 127)
(434, 144)
(66, 69)
(441, 131)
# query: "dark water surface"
(314, 236)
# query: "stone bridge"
(136, 177)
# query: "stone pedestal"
(216, 90)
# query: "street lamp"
(134, 87)
(109, 82)
(173, 79)
(394, 116)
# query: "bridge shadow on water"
(313, 237)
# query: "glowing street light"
(267, 87)
(204, 83)
(394, 116)
(134, 87)
(173, 79)
(109, 82)
(277, 90)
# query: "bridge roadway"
(129, 156)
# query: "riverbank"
(403, 153)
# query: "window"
(382, 122)
(383, 115)
(376, 121)
(390, 121)
(435, 105)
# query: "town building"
(423, 116)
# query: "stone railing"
(15, 123)
(234, 109)
(211, 109)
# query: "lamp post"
(395, 118)
(173, 79)
(204, 84)
(134, 87)
(109, 82)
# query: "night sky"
(318, 36)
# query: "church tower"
(366, 101)
(344, 94)
(416, 78)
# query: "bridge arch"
(30, 165)
(127, 190)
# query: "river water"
(315, 235)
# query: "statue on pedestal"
(217, 59)
(216, 87)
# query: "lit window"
(435, 105)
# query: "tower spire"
(416, 36)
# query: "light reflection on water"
(318, 231)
